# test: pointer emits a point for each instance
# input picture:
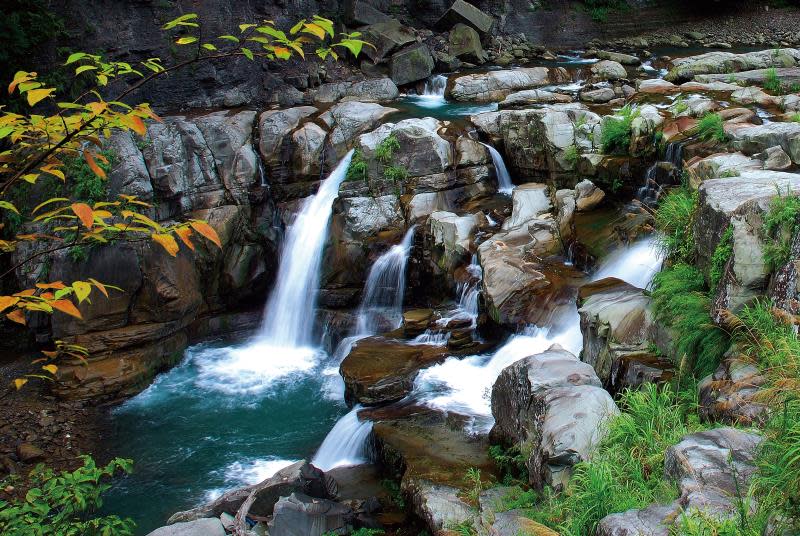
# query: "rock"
(655, 520)
(528, 202)
(386, 37)
(527, 97)
(536, 402)
(657, 86)
(368, 216)
(301, 515)
(452, 235)
(349, 119)
(308, 142)
(422, 152)
(598, 96)
(644, 127)
(608, 70)
(28, 453)
(273, 126)
(754, 139)
(374, 90)
(470, 152)
(199, 527)
(445, 63)
(775, 158)
(227, 521)
(514, 523)
(361, 12)
(465, 43)
(466, 13)
(565, 214)
(300, 477)
(696, 106)
(411, 65)
(625, 59)
(496, 85)
(416, 321)
(726, 62)
(787, 76)
(587, 196)
(728, 395)
(754, 95)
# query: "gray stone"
(373, 90)
(775, 158)
(587, 196)
(598, 96)
(466, 13)
(752, 139)
(349, 119)
(727, 62)
(496, 85)
(273, 126)
(411, 65)
(465, 43)
(301, 515)
(386, 37)
(527, 97)
(625, 59)
(608, 70)
(361, 12)
(199, 527)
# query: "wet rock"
(308, 142)
(273, 126)
(349, 119)
(465, 43)
(466, 13)
(787, 76)
(367, 216)
(422, 151)
(625, 59)
(657, 86)
(775, 158)
(452, 234)
(655, 520)
(301, 515)
(598, 96)
(565, 213)
(551, 403)
(728, 62)
(496, 85)
(199, 527)
(470, 152)
(374, 90)
(300, 477)
(753, 95)
(755, 139)
(608, 70)
(415, 321)
(361, 13)
(527, 97)
(28, 453)
(587, 196)
(729, 394)
(386, 37)
(411, 65)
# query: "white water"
(433, 94)
(384, 289)
(248, 473)
(289, 315)
(504, 184)
(464, 386)
(346, 443)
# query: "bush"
(710, 127)
(384, 152)
(675, 223)
(357, 170)
(682, 304)
(395, 173)
(62, 504)
(722, 255)
(781, 224)
(599, 10)
(616, 134)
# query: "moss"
(357, 170)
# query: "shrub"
(710, 127)
(599, 10)
(384, 152)
(571, 155)
(772, 81)
(511, 462)
(795, 118)
(722, 254)
(675, 223)
(62, 504)
(682, 304)
(781, 224)
(357, 170)
(395, 173)
(472, 478)
(616, 134)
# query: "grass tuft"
(710, 127)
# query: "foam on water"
(346, 443)
(635, 264)
(248, 473)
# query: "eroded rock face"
(298, 514)
(726, 62)
(494, 86)
(452, 234)
(753, 139)
(553, 404)
(349, 119)
(728, 395)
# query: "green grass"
(615, 138)
(680, 105)
(571, 155)
(395, 173)
(722, 255)
(772, 81)
(384, 152)
(795, 118)
(710, 128)
(682, 303)
(357, 170)
(781, 224)
(675, 223)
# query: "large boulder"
(451, 237)
(730, 394)
(727, 62)
(274, 126)
(751, 139)
(608, 70)
(462, 12)
(364, 12)
(528, 97)
(411, 64)
(386, 37)
(199, 527)
(552, 406)
(465, 43)
(494, 86)
(301, 515)
(625, 59)
(349, 119)
(373, 90)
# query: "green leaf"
(209, 46)
(353, 45)
(244, 27)
(247, 52)
(324, 23)
(296, 27)
(5, 131)
(8, 206)
(186, 40)
(84, 68)
(75, 56)
(183, 20)
(269, 30)
(229, 38)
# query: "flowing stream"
(504, 184)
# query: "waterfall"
(504, 184)
(289, 315)
(464, 386)
(663, 172)
(345, 444)
(384, 289)
(435, 86)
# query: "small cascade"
(662, 173)
(635, 264)
(504, 184)
(435, 86)
(383, 293)
(345, 444)
(289, 314)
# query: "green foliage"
(571, 155)
(395, 173)
(472, 478)
(599, 10)
(78, 254)
(465, 528)
(357, 170)
(682, 303)
(63, 504)
(384, 152)
(511, 462)
(698, 523)
(722, 255)
(710, 127)
(627, 470)
(781, 224)
(85, 184)
(675, 223)
(680, 105)
(518, 498)
(795, 118)
(616, 134)
(395, 493)
(728, 173)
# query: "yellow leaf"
(93, 165)
(167, 242)
(19, 382)
(17, 316)
(82, 290)
(134, 123)
(185, 40)
(7, 301)
(184, 233)
(36, 95)
(67, 307)
(57, 285)
(101, 287)
(315, 30)
(52, 369)
(85, 213)
(207, 231)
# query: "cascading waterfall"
(504, 184)
(435, 86)
(289, 314)
(346, 444)
(660, 173)
(464, 386)
(383, 292)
